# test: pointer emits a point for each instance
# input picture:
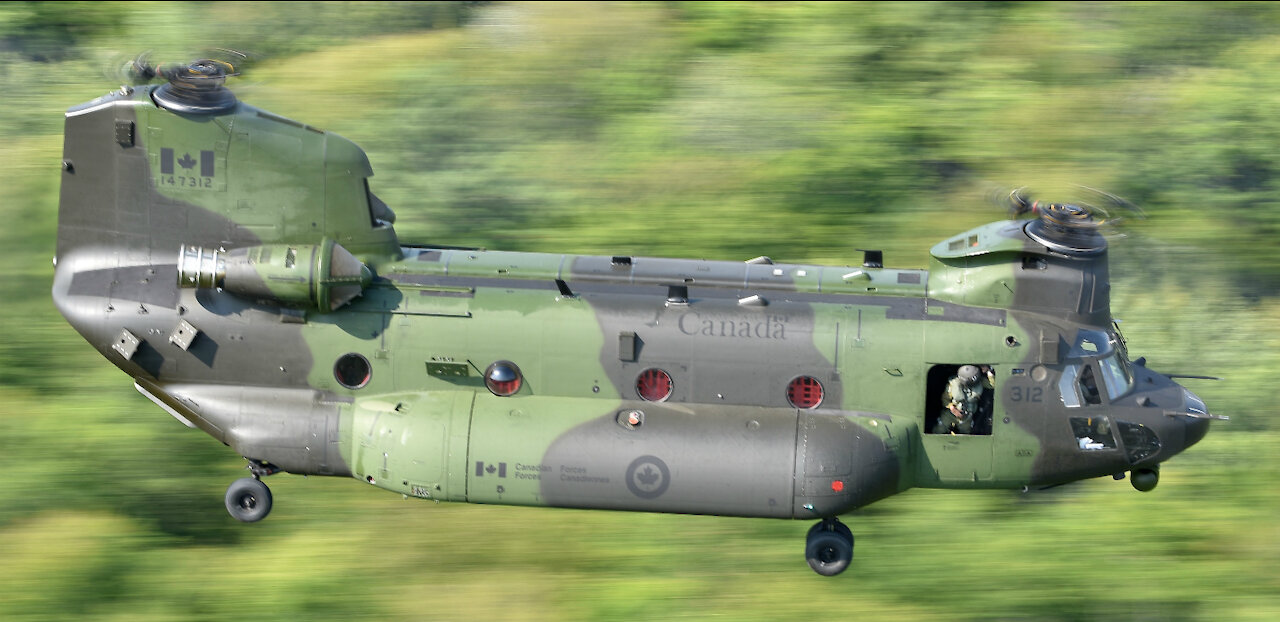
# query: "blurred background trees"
(722, 130)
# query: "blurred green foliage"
(800, 130)
(54, 31)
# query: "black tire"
(828, 551)
(248, 500)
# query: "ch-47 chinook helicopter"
(236, 265)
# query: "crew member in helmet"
(961, 399)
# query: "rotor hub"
(196, 88)
(1069, 228)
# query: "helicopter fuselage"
(236, 266)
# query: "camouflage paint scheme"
(252, 363)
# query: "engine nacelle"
(324, 276)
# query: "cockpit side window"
(1079, 385)
(1089, 386)
(1093, 433)
(1080, 381)
(1139, 441)
(1067, 386)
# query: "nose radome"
(1198, 423)
(1194, 405)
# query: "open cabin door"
(1002, 444)
(957, 455)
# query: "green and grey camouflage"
(236, 265)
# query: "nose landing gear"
(248, 500)
(829, 547)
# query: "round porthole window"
(805, 392)
(654, 385)
(503, 378)
(352, 371)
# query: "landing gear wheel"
(829, 547)
(248, 500)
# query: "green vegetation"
(803, 131)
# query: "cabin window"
(352, 371)
(1093, 433)
(804, 392)
(654, 385)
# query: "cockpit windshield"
(1115, 374)
(1122, 344)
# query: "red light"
(805, 392)
(837, 485)
(503, 378)
(654, 385)
(504, 388)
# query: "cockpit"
(1080, 384)
(1116, 409)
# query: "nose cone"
(1198, 422)
(1159, 420)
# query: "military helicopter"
(238, 267)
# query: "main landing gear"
(248, 499)
(829, 547)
